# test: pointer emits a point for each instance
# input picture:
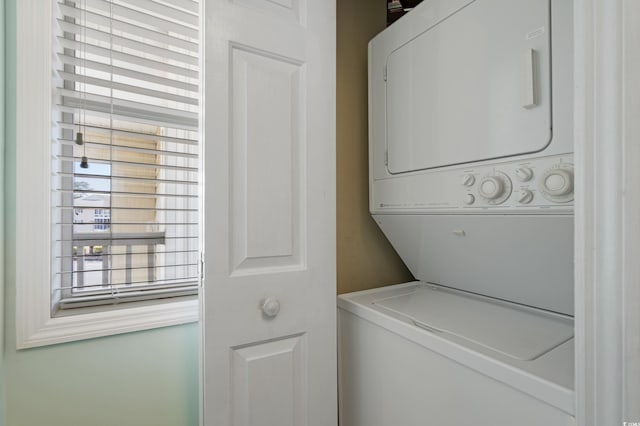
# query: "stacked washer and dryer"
(471, 180)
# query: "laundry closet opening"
(470, 178)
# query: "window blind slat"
(160, 23)
(90, 290)
(135, 164)
(98, 103)
(138, 61)
(131, 179)
(135, 285)
(100, 106)
(138, 209)
(125, 27)
(83, 301)
(141, 193)
(116, 148)
(124, 269)
(137, 223)
(128, 134)
(189, 5)
(127, 72)
(192, 252)
(166, 11)
(127, 43)
(122, 225)
(101, 110)
(127, 199)
(137, 194)
(84, 79)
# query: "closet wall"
(365, 258)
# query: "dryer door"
(475, 86)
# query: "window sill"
(82, 326)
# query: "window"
(123, 162)
(126, 101)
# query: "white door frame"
(607, 156)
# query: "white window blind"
(125, 187)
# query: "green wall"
(136, 379)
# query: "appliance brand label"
(535, 33)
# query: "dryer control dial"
(556, 184)
(524, 174)
(525, 196)
(469, 199)
(468, 180)
(491, 187)
(495, 188)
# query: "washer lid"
(514, 330)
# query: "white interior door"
(269, 213)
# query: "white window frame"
(35, 326)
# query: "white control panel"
(525, 186)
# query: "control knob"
(524, 174)
(491, 187)
(495, 188)
(556, 184)
(468, 180)
(469, 199)
(525, 196)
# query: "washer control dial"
(495, 188)
(524, 174)
(556, 184)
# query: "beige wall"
(365, 258)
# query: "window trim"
(35, 326)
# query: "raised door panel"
(269, 383)
(288, 9)
(267, 162)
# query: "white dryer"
(471, 180)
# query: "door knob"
(270, 307)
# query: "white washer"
(415, 355)
(471, 180)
